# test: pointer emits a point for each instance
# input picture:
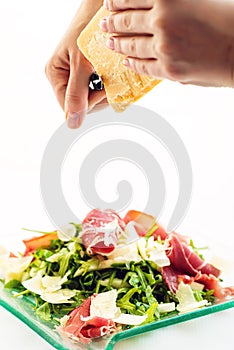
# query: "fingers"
(159, 69)
(136, 46)
(116, 5)
(128, 22)
(58, 77)
(70, 83)
(76, 97)
(144, 67)
(99, 106)
(95, 98)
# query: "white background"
(203, 117)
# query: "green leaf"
(37, 231)
(43, 254)
(14, 285)
(134, 279)
(85, 266)
(196, 249)
(198, 295)
(141, 277)
(124, 302)
(88, 279)
(209, 295)
(78, 228)
(151, 231)
(44, 312)
(151, 313)
(149, 295)
(63, 264)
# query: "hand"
(68, 70)
(184, 40)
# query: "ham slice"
(100, 231)
(188, 266)
(184, 260)
(143, 223)
(212, 282)
(170, 277)
(81, 327)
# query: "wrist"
(83, 16)
(87, 10)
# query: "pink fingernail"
(126, 62)
(103, 25)
(106, 4)
(74, 120)
(110, 43)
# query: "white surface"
(203, 117)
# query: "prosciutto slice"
(81, 327)
(212, 282)
(188, 266)
(184, 260)
(170, 277)
(100, 231)
(143, 223)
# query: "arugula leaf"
(196, 249)
(125, 304)
(141, 277)
(149, 295)
(78, 228)
(44, 312)
(134, 279)
(151, 313)
(14, 285)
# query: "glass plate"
(23, 308)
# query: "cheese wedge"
(122, 85)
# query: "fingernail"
(126, 62)
(103, 25)
(74, 120)
(110, 43)
(105, 4)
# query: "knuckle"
(157, 23)
(173, 71)
(110, 4)
(143, 68)
(155, 49)
(154, 23)
(49, 69)
(72, 96)
(161, 25)
(111, 23)
(166, 49)
(126, 21)
(119, 22)
(75, 101)
(132, 47)
(119, 45)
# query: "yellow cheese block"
(122, 85)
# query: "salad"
(110, 274)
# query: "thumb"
(77, 92)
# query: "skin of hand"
(68, 70)
(190, 41)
